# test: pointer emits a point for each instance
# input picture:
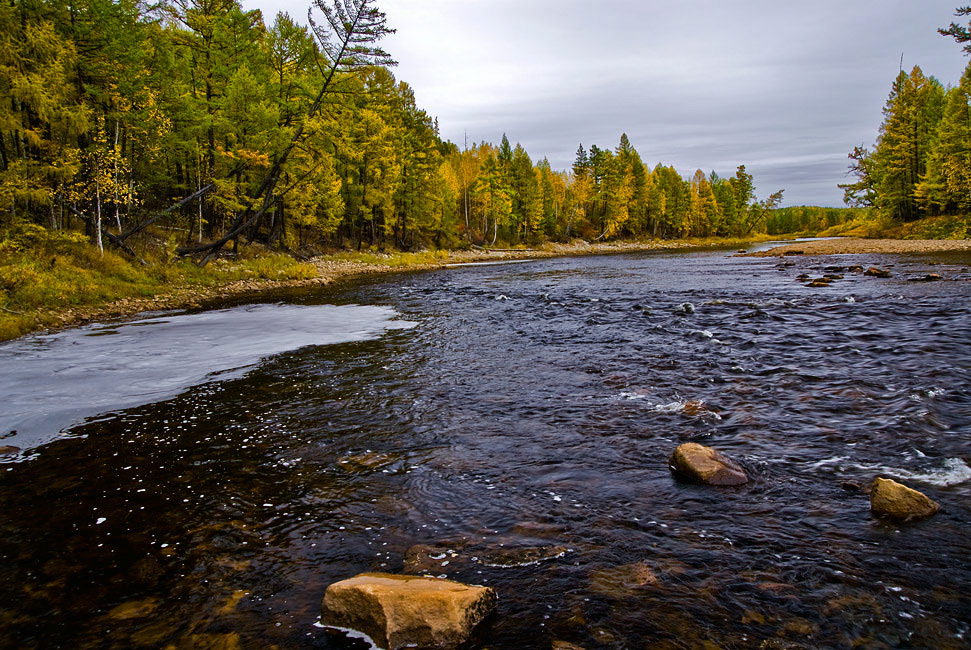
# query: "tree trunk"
(97, 217)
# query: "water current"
(196, 480)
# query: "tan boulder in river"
(407, 611)
(899, 502)
(706, 465)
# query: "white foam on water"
(672, 407)
(53, 381)
(954, 472)
(349, 633)
(828, 461)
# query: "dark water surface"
(521, 429)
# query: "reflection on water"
(518, 437)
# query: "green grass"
(45, 273)
(945, 227)
(395, 259)
(873, 226)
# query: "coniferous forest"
(187, 115)
(202, 125)
(920, 165)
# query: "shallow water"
(521, 430)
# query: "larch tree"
(911, 116)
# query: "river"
(196, 480)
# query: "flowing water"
(197, 480)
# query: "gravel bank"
(844, 246)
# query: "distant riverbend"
(505, 425)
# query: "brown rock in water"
(706, 465)
(876, 272)
(425, 558)
(899, 502)
(9, 450)
(564, 645)
(818, 283)
(930, 277)
(401, 611)
(623, 581)
(522, 555)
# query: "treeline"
(810, 220)
(920, 165)
(502, 196)
(188, 113)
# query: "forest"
(920, 165)
(120, 118)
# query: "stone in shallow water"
(900, 503)
(402, 611)
(522, 555)
(564, 645)
(427, 558)
(623, 581)
(877, 272)
(706, 465)
(134, 609)
(930, 277)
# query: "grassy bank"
(48, 277)
(871, 225)
(54, 280)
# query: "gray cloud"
(785, 89)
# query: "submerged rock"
(818, 283)
(623, 581)
(706, 465)
(9, 450)
(522, 556)
(564, 645)
(877, 272)
(898, 502)
(425, 558)
(930, 277)
(407, 611)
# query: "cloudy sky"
(785, 89)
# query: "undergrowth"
(44, 272)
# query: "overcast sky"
(786, 89)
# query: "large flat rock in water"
(407, 611)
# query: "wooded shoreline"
(334, 268)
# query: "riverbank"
(193, 292)
(852, 245)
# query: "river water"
(197, 480)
